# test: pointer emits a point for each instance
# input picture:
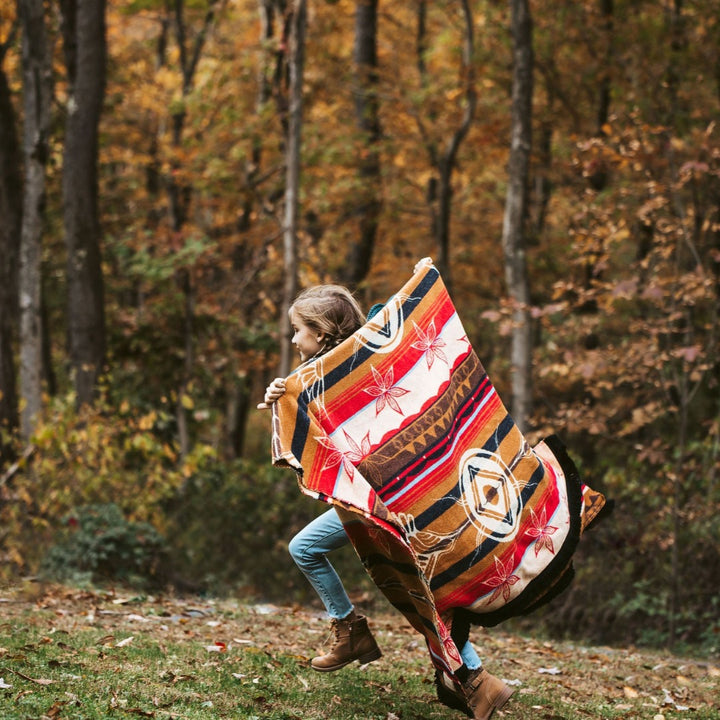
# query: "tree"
(513, 238)
(10, 211)
(368, 197)
(440, 190)
(180, 195)
(85, 59)
(605, 91)
(296, 65)
(37, 96)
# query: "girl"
(321, 318)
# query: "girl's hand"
(274, 390)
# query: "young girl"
(321, 318)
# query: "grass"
(68, 654)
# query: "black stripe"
(487, 546)
(439, 447)
(559, 572)
(302, 421)
(446, 502)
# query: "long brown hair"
(330, 309)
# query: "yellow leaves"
(642, 416)
(169, 453)
(621, 234)
(13, 556)
(558, 369)
(453, 94)
(106, 454)
(147, 421)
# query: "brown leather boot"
(352, 641)
(485, 694)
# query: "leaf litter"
(549, 677)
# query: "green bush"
(98, 544)
(229, 529)
(112, 453)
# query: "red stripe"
(421, 489)
(343, 404)
(468, 593)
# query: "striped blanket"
(456, 518)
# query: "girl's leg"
(352, 637)
(470, 657)
(309, 549)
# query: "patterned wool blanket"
(456, 518)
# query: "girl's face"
(307, 340)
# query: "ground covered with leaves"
(76, 654)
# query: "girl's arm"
(273, 391)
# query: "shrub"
(98, 544)
(93, 456)
(230, 527)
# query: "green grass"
(77, 655)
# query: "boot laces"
(334, 633)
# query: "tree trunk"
(673, 74)
(85, 52)
(11, 213)
(369, 203)
(236, 413)
(440, 188)
(513, 238)
(179, 198)
(296, 59)
(607, 9)
(37, 96)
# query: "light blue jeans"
(309, 549)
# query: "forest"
(172, 172)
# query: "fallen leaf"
(37, 681)
(55, 710)
(217, 646)
(550, 671)
(126, 641)
(630, 692)
(3, 684)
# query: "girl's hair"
(330, 309)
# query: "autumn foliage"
(623, 230)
